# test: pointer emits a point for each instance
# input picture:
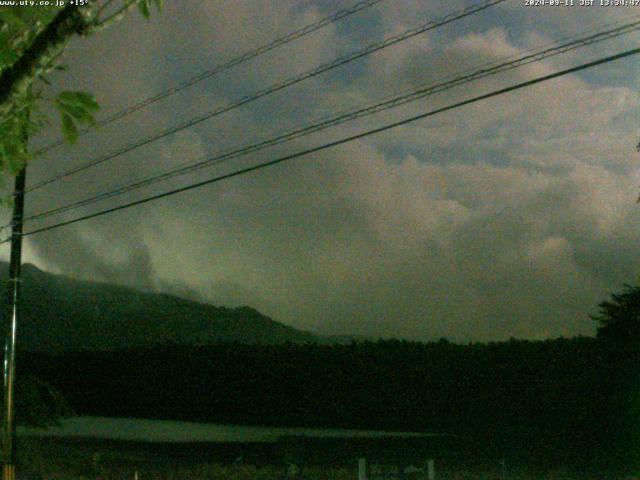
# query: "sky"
(510, 217)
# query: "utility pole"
(11, 323)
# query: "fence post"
(431, 470)
(362, 469)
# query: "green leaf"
(83, 100)
(69, 129)
(143, 6)
(159, 4)
(11, 16)
(78, 113)
(13, 154)
(16, 162)
(7, 57)
(78, 106)
(4, 157)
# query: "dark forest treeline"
(567, 396)
(565, 400)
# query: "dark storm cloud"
(509, 218)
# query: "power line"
(306, 30)
(397, 101)
(481, 72)
(277, 87)
(351, 138)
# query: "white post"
(362, 469)
(431, 470)
(135, 475)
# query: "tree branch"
(15, 80)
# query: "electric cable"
(413, 96)
(301, 32)
(276, 87)
(342, 141)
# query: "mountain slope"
(60, 313)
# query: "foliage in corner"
(32, 41)
(619, 319)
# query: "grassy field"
(249, 472)
(57, 459)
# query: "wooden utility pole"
(11, 323)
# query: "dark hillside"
(60, 313)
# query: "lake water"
(173, 431)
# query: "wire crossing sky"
(413, 96)
(290, 37)
(338, 142)
(511, 217)
(339, 62)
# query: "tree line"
(571, 398)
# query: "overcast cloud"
(515, 216)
